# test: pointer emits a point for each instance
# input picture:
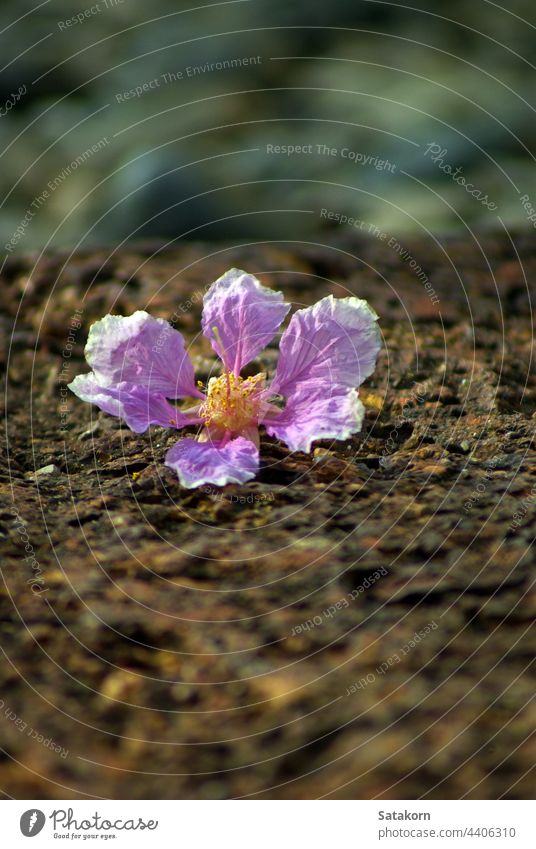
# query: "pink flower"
(139, 362)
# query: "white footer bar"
(269, 824)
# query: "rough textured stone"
(259, 640)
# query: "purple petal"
(246, 315)
(336, 342)
(135, 404)
(141, 350)
(317, 415)
(218, 463)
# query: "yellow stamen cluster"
(232, 402)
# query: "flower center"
(232, 402)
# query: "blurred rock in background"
(187, 156)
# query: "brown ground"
(166, 652)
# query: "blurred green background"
(188, 157)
